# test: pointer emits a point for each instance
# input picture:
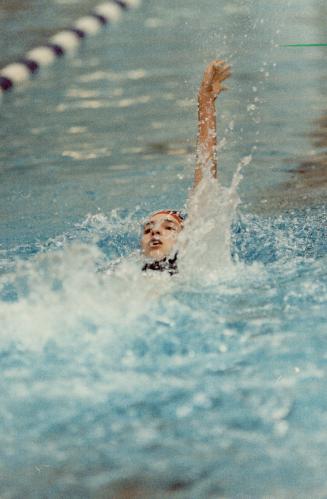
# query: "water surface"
(210, 384)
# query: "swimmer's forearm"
(211, 86)
(206, 154)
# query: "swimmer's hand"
(215, 73)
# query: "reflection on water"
(173, 148)
(313, 170)
(307, 185)
(306, 162)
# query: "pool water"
(207, 384)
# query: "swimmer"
(161, 229)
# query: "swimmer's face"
(159, 236)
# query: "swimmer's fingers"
(221, 74)
(211, 69)
(222, 71)
(217, 67)
(215, 73)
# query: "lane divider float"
(63, 42)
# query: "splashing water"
(65, 288)
(113, 378)
(206, 239)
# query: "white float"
(67, 40)
(44, 56)
(108, 10)
(16, 72)
(90, 25)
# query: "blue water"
(207, 384)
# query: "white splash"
(61, 294)
(68, 291)
(205, 243)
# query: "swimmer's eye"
(147, 231)
(170, 227)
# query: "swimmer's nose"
(155, 232)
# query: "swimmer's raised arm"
(206, 155)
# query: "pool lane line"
(63, 42)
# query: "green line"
(305, 45)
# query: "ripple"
(88, 154)
(136, 74)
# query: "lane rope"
(64, 42)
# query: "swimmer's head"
(160, 233)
